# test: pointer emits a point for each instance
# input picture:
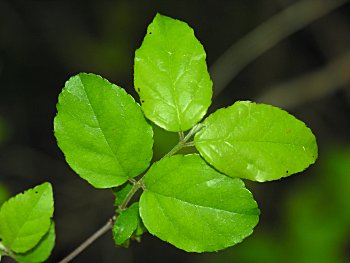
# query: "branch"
(311, 86)
(88, 242)
(267, 35)
(137, 185)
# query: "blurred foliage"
(4, 194)
(4, 131)
(315, 221)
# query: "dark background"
(305, 218)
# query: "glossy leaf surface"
(42, 251)
(171, 76)
(26, 218)
(256, 141)
(190, 205)
(126, 224)
(102, 131)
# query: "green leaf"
(140, 230)
(102, 131)
(256, 141)
(125, 224)
(192, 206)
(121, 192)
(171, 75)
(26, 218)
(42, 251)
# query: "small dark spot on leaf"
(150, 33)
(138, 89)
(36, 192)
(142, 101)
(287, 171)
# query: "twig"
(183, 140)
(88, 242)
(137, 185)
(265, 36)
(310, 86)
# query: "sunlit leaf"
(190, 205)
(256, 141)
(42, 251)
(171, 75)
(102, 131)
(26, 218)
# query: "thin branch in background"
(88, 242)
(267, 35)
(311, 86)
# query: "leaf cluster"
(27, 231)
(196, 202)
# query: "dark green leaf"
(126, 223)
(171, 75)
(190, 205)
(256, 141)
(4, 194)
(102, 131)
(121, 192)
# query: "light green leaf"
(171, 75)
(126, 223)
(26, 218)
(192, 206)
(256, 141)
(102, 131)
(42, 251)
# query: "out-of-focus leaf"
(4, 131)
(4, 194)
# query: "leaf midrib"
(28, 219)
(200, 206)
(100, 128)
